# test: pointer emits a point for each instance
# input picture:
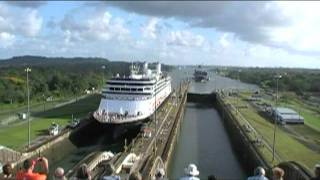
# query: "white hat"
(191, 170)
(160, 172)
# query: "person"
(160, 174)
(83, 173)
(277, 173)
(212, 177)
(191, 173)
(59, 174)
(28, 173)
(135, 176)
(109, 169)
(316, 172)
(7, 171)
(259, 174)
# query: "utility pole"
(103, 68)
(276, 119)
(155, 116)
(28, 113)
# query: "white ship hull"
(110, 110)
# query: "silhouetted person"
(191, 173)
(109, 170)
(83, 173)
(316, 172)
(135, 176)
(277, 173)
(7, 171)
(259, 174)
(28, 173)
(212, 177)
(59, 174)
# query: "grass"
(286, 146)
(310, 114)
(15, 136)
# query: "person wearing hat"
(160, 174)
(316, 172)
(191, 173)
(259, 174)
(59, 174)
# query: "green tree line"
(300, 81)
(56, 77)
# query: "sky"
(264, 34)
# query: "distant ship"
(132, 99)
(200, 75)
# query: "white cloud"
(185, 38)
(224, 40)
(6, 39)
(26, 22)
(302, 35)
(149, 30)
(99, 26)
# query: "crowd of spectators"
(38, 169)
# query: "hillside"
(55, 76)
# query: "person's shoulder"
(38, 176)
(257, 178)
(189, 178)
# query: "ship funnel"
(145, 68)
(158, 68)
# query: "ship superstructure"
(128, 99)
(200, 75)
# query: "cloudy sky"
(277, 34)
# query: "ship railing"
(111, 117)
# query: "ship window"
(147, 88)
(117, 89)
(133, 89)
(111, 88)
(139, 89)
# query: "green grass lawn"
(287, 147)
(15, 136)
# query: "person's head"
(259, 171)
(109, 169)
(159, 173)
(317, 170)
(191, 170)
(212, 177)
(28, 164)
(278, 173)
(59, 174)
(135, 176)
(83, 172)
(7, 169)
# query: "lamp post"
(103, 68)
(238, 89)
(276, 119)
(155, 117)
(44, 102)
(28, 113)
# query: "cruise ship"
(133, 98)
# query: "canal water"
(203, 139)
